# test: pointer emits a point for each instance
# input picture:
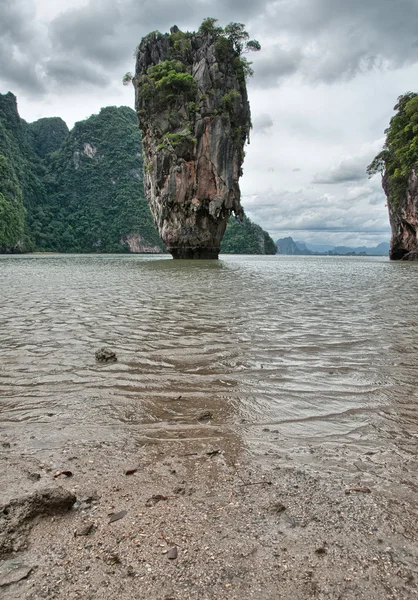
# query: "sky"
(325, 83)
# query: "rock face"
(194, 115)
(403, 217)
(137, 245)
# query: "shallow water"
(317, 349)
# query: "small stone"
(131, 471)
(11, 573)
(172, 553)
(213, 452)
(84, 529)
(65, 472)
(113, 559)
(276, 508)
(106, 355)
(206, 415)
(117, 516)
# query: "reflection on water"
(323, 348)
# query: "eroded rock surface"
(403, 217)
(194, 116)
(18, 515)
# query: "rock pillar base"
(194, 253)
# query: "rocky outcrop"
(403, 217)
(19, 515)
(137, 245)
(194, 115)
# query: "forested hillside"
(82, 190)
(245, 237)
(94, 187)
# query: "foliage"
(181, 45)
(232, 40)
(82, 196)
(243, 68)
(245, 237)
(48, 135)
(229, 100)
(127, 78)
(12, 212)
(400, 152)
(95, 188)
(165, 81)
(174, 139)
(209, 27)
(17, 145)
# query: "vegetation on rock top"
(400, 152)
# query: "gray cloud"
(351, 168)
(90, 32)
(335, 40)
(69, 73)
(317, 39)
(274, 63)
(347, 170)
(262, 123)
(360, 209)
(21, 45)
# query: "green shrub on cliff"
(400, 152)
(165, 82)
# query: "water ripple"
(317, 346)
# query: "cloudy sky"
(325, 84)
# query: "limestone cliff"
(194, 115)
(398, 164)
(403, 217)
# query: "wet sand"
(243, 526)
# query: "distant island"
(291, 247)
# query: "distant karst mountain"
(83, 190)
(290, 247)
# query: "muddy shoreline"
(199, 520)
